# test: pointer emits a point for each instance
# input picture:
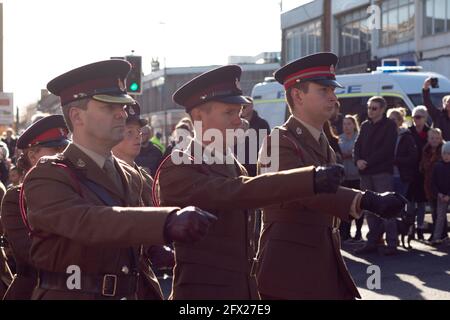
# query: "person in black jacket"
(150, 156)
(440, 185)
(374, 157)
(416, 193)
(441, 118)
(261, 128)
(406, 153)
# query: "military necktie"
(112, 173)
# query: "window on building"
(397, 21)
(436, 17)
(354, 33)
(303, 40)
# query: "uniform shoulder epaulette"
(281, 128)
(57, 158)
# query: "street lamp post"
(163, 91)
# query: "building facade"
(358, 31)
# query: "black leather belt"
(26, 270)
(108, 285)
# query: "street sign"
(6, 109)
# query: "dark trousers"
(344, 228)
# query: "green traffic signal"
(134, 86)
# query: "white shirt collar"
(97, 158)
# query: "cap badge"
(299, 131)
(79, 95)
(131, 111)
(121, 84)
(81, 163)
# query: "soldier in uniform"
(127, 150)
(299, 254)
(83, 205)
(207, 174)
(46, 137)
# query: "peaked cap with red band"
(102, 81)
(220, 84)
(50, 131)
(317, 67)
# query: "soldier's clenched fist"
(188, 225)
(386, 205)
(328, 179)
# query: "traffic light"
(134, 78)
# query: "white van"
(400, 88)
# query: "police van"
(401, 86)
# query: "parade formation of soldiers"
(89, 223)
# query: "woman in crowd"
(431, 154)
(416, 192)
(347, 140)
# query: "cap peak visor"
(233, 100)
(54, 143)
(121, 99)
(325, 82)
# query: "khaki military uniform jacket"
(20, 242)
(299, 255)
(71, 229)
(219, 266)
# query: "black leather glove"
(328, 179)
(188, 225)
(386, 205)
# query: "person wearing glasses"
(374, 157)
(416, 192)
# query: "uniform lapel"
(126, 181)
(91, 170)
(305, 138)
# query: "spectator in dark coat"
(150, 156)
(430, 156)
(406, 153)
(441, 118)
(440, 185)
(416, 193)
(256, 123)
(374, 157)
